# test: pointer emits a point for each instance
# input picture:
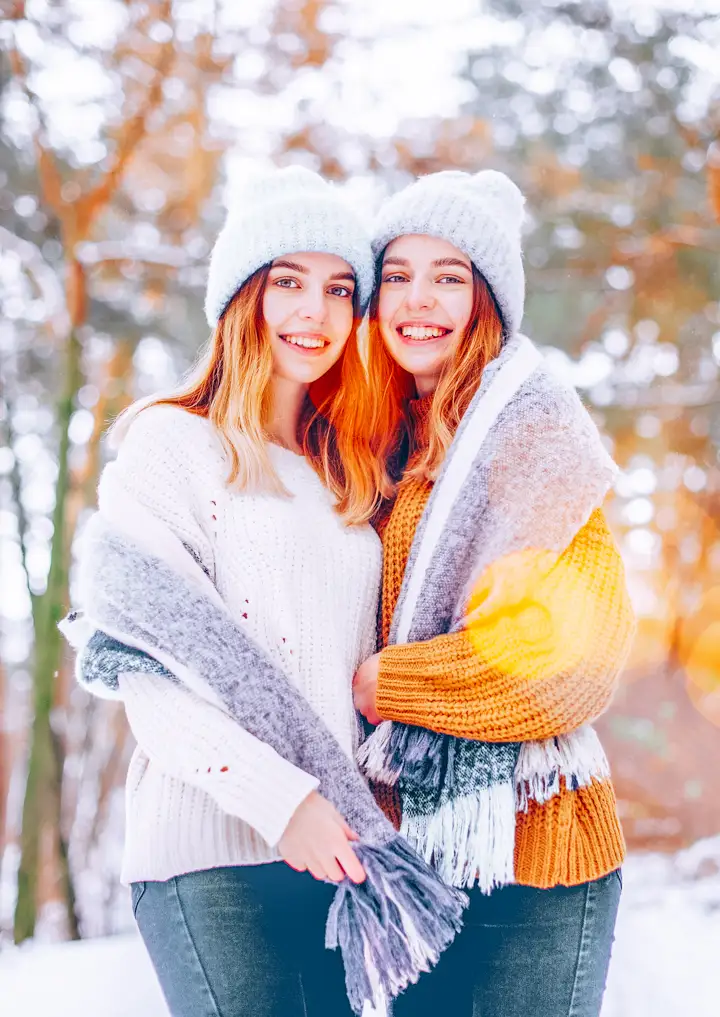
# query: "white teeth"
(305, 341)
(422, 332)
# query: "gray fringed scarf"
(141, 587)
(525, 471)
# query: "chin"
(302, 374)
(307, 377)
(422, 365)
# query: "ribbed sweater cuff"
(268, 799)
(401, 694)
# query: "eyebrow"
(440, 263)
(451, 263)
(294, 266)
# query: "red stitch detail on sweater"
(224, 769)
(244, 614)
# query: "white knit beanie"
(284, 211)
(481, 214)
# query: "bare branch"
(133, 133)
(108, 252)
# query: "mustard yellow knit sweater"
(446, 684)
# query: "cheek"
(458, 306)
(342, 317)
(279, 305)
(389, 303)
(271, 307)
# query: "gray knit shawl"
(525, 471)
(141, 588)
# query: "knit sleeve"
(165, 463)
(538, 663)
(195, 741)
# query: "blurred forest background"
(120, 124)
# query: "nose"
(314, 304)
(420, 295)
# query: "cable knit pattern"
(445, 684)
(202, 792)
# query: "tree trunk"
(43, 789)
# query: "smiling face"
(425, 304)
(308, 313)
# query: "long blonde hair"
(230, 386)
(390, 387)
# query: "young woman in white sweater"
(255, 466)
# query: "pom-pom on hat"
(481, 214)
(280, 212)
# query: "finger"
(349, 832)
(335, 872)
(351, 864)
(299, 867)
(317, 871)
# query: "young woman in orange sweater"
(505, 616)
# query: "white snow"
(665, 961)
(667, 945)
(95, 978)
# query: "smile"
(422, 333)
(306, 343)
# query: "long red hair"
(390, 387)
(231, 387)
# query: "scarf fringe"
(469, 840)
(374, 757)
(393, 926)
(577, 757)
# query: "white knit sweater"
(201, 792)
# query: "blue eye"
(450, 279)
(341, 291)
(394, 277)
(287, 283)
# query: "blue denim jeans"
(242, 942)
(249, 942)
(524, 952)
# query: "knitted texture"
(139, 584)
(481, 214)
(497, 571)
(202, 792)
(446, 684)
(281, 212)
(280, 565)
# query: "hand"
(317, 839)
(365, 689)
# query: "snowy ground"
(666, 961)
